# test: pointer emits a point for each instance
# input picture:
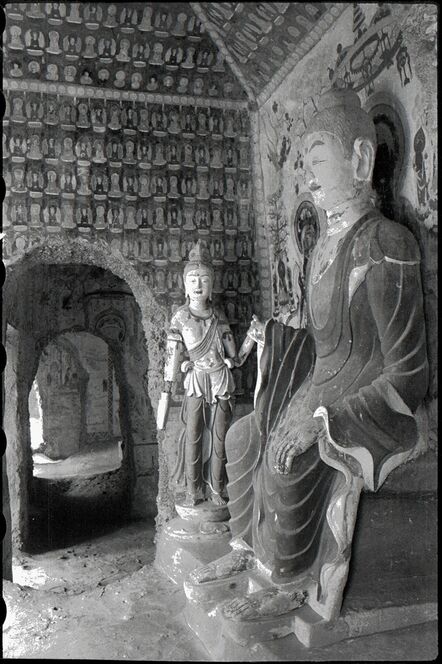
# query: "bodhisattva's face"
(330, 173)
(198, 284)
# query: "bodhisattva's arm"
(174, 350)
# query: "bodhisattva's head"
(340, 147)
(198, 276)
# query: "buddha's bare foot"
(217, 499)
(263, 604)
(234, 562)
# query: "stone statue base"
(197, 536)
(392, 585)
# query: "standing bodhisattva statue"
(204, 332)
(335, 408)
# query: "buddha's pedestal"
(392, 585)
(198, 535)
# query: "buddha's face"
(198, 284)
(330, 173)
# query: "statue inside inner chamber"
(335, 402)
(203, 331)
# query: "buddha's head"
(340, 148)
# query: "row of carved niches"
(136, 121)
(129, 46)
(34, 197)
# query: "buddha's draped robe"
(362, 357)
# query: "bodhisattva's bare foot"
(191, 500)
(217, 499)
(263, 604)
(230, 564)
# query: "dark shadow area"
(72, 511)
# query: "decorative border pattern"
(100, 93)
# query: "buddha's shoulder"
(382, 239)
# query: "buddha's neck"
(342, 217)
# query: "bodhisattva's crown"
(199, 256)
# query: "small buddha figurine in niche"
(18, 147)
(244, 189)
(145, 24)
(15, 40)
(145, 249)
(34, 150)
(183, 84)
(179, 29)
(68, 150)
(174, 249)
(100, 183)
(208, 381)
(174, 217)
(15, 69)
(159, 186)
(172, 156)
(98, 117)
(74, 15)
(115, 190)
(216, 187)
(51, 186)
(160, 281)
(68, 114)
(51, 114)
(215, 124)
(123, 50)
(231, 220)
(159, 159)
(115, 219)
(17, 105)
(55, 11)
(198, 86)
(144, 152)
(86, 77)
(51, 214)
(128, 18)
(130, 184)
(35, 41)
(93, 14)
(188, 154)
(52, 72)
(83, 148)
(215, 161)
(217, 249)
(152, 83)
(129, 222)
(143, 124)
(188, 219)
(173, 122)
(203, 184)
(68, 182)
(51, 147)
(89, 51)
(159, 217)
(144, 185)
(110, 20)
(173, 187)
(83, 182)
(140, 53)
(19, 214)
(156, 57)
(34, 110)
(204, 59)
(162, 22)
(69, 73)
(173, 57)
(114, 117)
(115, 151)
(202, 155)
(100, 217)
(188, 124)
(230, 188)
(35, 210)
(33, 10)
(107, 49)
(53, 48)
(83, 115)
(136, 80)
(129, 152)
(188, 62)
(144, 218)
(230, 157)
(229, 128)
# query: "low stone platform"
(392, 585)
(197, 536)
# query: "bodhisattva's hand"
(284, 450)
(256, 330)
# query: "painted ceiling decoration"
(223, 52)
(267, 39)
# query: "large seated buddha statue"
(335, 408)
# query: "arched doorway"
(63, 291)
